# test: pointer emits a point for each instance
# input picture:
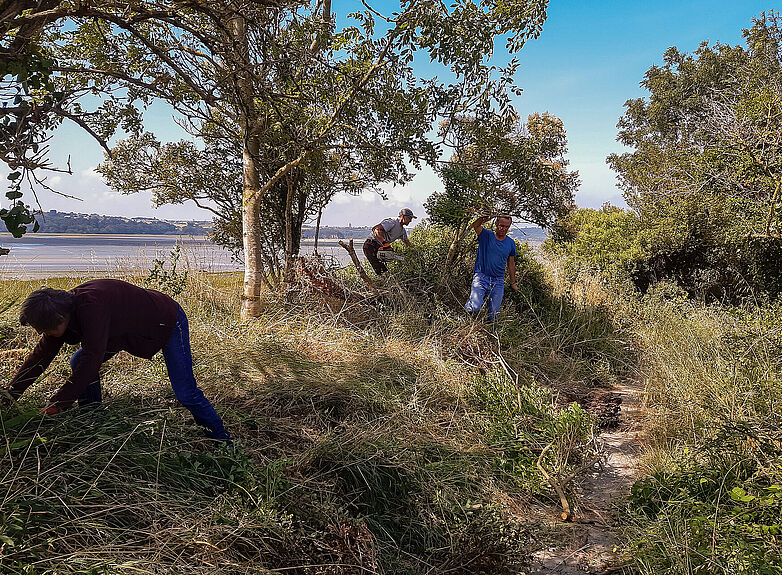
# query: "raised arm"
(477, 225)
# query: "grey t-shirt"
(394, 230)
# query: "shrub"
(171, 280)
(605, 241)
(677, 244)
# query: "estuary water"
(47, 255)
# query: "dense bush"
(605, 241)
(708, 262)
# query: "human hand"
(514, 287)
(50, 409)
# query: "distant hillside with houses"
(56, 222)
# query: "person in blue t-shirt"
(494, 250)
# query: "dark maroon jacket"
(108, 316)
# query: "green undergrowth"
(407, 442)
(711, 498)
(707, 499)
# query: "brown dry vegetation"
(385, 436)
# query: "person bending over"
(106, 316)
(383, 234)
(488, 281)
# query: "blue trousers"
(488, 289)
(179, 363)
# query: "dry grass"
(396, 444)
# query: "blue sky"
(589, 60)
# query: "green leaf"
(737, 493)
(19, 420)
(7, 540)
(25, 442)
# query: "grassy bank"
(711, 497)
(389, 435)
(708, 498)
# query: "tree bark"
(361, 272)
(289, 247)
(456, 244)
(251, 196)
(317, 229)
(251, 232)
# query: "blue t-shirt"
(493, 253)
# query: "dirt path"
(587, 545)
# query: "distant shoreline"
(99, 234)
(31, 235)
(42, 255)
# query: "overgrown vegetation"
(709, 501)
(692, 276)
(707, 496)
(628, 250)
(390, 434)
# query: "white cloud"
(91, 174)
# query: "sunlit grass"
(393, 444)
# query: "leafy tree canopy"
(309, 108)
(707, 141)
(505, 166)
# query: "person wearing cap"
(106, 316)
(495, 249)
(383, 234)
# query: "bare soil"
(589, 544)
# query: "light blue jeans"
(489, 289)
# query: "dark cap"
(407, 212)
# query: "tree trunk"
(289, 247)
(456, 244)
(317, 229)
(361, 272)
(251, 193)
(251, 232)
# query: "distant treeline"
(336, 232)
(534, 235)
(54, 222)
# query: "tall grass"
(711, 497)
(392, 435)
